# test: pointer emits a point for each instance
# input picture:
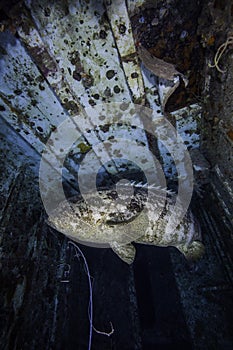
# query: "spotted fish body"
(117, 222)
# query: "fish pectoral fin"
(194, 251)
(126, 252)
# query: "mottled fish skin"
(101, 224)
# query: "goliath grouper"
(116, 221)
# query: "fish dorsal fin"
(126, 252)
(145, 185)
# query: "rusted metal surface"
(56, 59)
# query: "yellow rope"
(220, 52)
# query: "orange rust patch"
(230, 134)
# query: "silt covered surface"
(161, 301)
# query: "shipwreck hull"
(57, 60)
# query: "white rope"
(222, 48)
(90, 307)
